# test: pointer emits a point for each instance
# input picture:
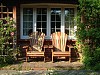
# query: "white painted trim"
(34, 19)
(48, 24)
(62, 21)
(21, 23)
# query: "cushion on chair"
(37, 48)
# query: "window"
(47, 20)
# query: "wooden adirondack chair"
(36, 44)
(59, 40)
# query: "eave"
(16, 2)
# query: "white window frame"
(48, 6)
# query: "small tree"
(7, 40)
(88, 32)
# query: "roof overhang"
(16, 2)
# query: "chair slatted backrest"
(59, 40)
(37, 39)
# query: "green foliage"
(7, 43)
(88, 32)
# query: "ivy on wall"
(88, 32)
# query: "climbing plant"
(7, 40)
(88, 32)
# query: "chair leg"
(52, 58)
(26, 58)
(44, 55)
(44, 58)
(52, 55)
(69, 54)
(69, 59)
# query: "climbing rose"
(12, 33)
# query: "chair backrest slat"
(59, 40)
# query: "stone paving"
(44, 66)
(49, 72)
(48, 68)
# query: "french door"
(48, 21)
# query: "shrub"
(88, 32)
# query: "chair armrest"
(70, 46)
(26, 48)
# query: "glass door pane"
(27, 21)
(69, 22)
(55, 19)
(41, 20)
